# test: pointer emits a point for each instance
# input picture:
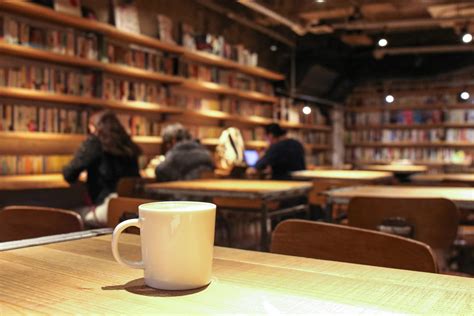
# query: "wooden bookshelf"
(412, 126)
(398, 107)
(211, 59)
(35, 143)
(45, 96)
(46, 14)
(42, 55)
(415, 162)
(211, 87)
(413, 144)
(322, 128)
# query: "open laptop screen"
(251, 157)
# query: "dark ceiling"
(336, 40)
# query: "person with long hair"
(107, 155)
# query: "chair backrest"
(21, 222)
(123, 208)
(132, 186)
(348, 244)
(434, 220)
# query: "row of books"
(193, 102)
(317, 159)
(251, 134)
(434, 155)
(65, 41)
(310, 137)
(408, 135)
(203, 132)
(409, 117)
(224, 77)
(52, 79)
(390, 135)
(406, 117)
(209, 43)
(460, 135)
(120, 89)
(65, 120)
(247, 108)
(139, 125)
(33, 118)
(289, 110)
(140, 57)
(29, 164)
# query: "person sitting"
(107, 154)
(284, 155)
(186, 159)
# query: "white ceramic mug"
(177, 240)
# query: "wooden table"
(462, 197)
(461, 178)
(346, 175)
(262, 190)
(402, 172)
(81, 277)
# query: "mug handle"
(115, 239)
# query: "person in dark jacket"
(107, 154)
(284, 155)
(186, 159)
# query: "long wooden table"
(81, 277)
(463, 197)
(461, 178)
(261, 190)
(346, 175)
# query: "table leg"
(264, 238)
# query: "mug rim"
(200, 206)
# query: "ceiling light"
(319, 1)
(382, 42)
(389, 98)
(273, 48)
(464, 95)
(467, 38)
(306, 110)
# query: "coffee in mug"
(177, 240)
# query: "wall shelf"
(412, 126)
(47, 14)
(412, 144)
(379, 108)
(38, 143)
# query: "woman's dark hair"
(275, 130)
(112, 135)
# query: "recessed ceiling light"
(389, 98)
(320, 1)
(464, 95)
(467, 38)
(382, 42)
(306, 110)
(273, 48)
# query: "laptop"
(251, 157)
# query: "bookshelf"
(425, 125)
(52, 144)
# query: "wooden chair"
(348, 244)
(22, 222)
(434, 220)
(123, 208)
(132, 186)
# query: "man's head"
(274, 132)
(173, 134)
